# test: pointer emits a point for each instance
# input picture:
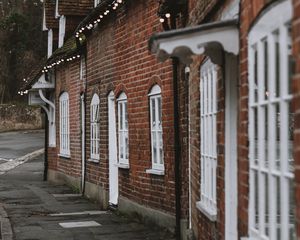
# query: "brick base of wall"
(146, 214)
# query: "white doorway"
(112, 147)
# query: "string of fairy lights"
(88, 27)
(79, 35)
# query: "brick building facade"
(236, 120)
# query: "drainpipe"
(82, 106)
(46, 148)
(84, 127)
(177, 149)
(177, 145)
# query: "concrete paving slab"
(29, 203)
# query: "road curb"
(6, 230)
(5, 167)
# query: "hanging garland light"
(94, 23)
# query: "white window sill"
(122, 165)
(62, 155)
(212, 216)
(155, 172)
(93, 160)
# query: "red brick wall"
(119, 59)
(67, 80)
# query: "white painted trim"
(43, 84)
(96, 2)
(122, 97)
(196, 43)
(122, 165)
(62, 30)
(123, 132)
(56, 9)
(155, 90)
(82, 106)
(268, 169)
(231, 169)
(155, 172)
(155, 106)
(208, 132)
(50, 43)
(64, 123)
(212, 216)
(44, 19)
(51, 117)
(112, 151)
(267, 24)
(93, 160)
(64, 155)
(95, 128)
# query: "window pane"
(126, 146)
(153, 112)
(159, 112)
(126, 115)
(277, 55)
(154, 147)
(291, 137)
(277, 136)
(255, 76)
(266, 67)
(121, 146)
(160, 148)
(255, 136)
(121, 115)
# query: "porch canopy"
(206, 39)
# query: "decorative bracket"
(209, 39)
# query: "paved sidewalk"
(38, 210)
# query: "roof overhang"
(206, 39)
(43, 84)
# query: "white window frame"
(56, 10)
(96, 2)
(208, 145)
(123, 137)
(95, 128)
(82, 73)
(64, 125)
(157, 155)
(62, 31)
(270, 149)
(44, 19)
(50, 43)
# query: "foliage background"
(22, 44)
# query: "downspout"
(177, 145)
(45, 177)
(46, 132)
(46, 148)
(177, 149)
(84, 129)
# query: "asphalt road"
(17, 144)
